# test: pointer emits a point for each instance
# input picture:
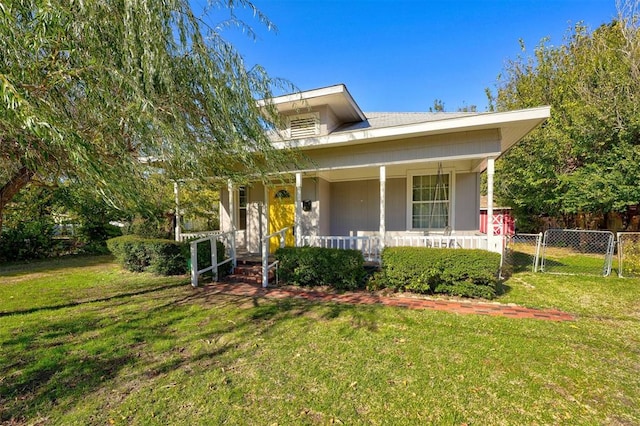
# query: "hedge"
(316, 266)
(469, 273)
(160, 256)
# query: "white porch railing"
(212, 238)
(367, 244)
(266, 266)
(442, 241)
(191, 235)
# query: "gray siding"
(463, 144)
(255, 206)
(396, 204)
(467, 202)
(324, 192)
(309, 220)
(355, 206)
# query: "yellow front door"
(281, 214)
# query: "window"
(304, 125)
(430, 201)
(242, 207)
(283, 193)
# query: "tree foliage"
(586, 159)
(89, 87)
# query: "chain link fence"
(574, 251)
(521, 253)
(628, 254)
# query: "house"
(376, 179)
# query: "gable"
(304, 125)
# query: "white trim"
(297, 215)
(451, 171)
(237, 206)
(308, 94)
(232, 205)
(318, 97)
(383, 204)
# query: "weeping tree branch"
(18, 181)
(88, 87)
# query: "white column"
(383, 204)
(492, 241)
(232, 205)
(232, 214)
(298, 211)
(176, 194)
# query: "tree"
(438, 106)
(88, 88)
(585, 159)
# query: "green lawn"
(86, 343)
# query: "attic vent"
(305, 125)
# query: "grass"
(85, 343)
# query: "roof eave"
(513, 126)
(337, 97)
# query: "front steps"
(249, 272)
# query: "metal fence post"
(536, 259)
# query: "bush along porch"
(160, 256)
(466, 273)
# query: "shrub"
(94, 235)
(131, 252)
(164, 257)
(315, 266)
(146, 227)
(27, 240)
(631, 258)
(470, 273)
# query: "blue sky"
(402, 55)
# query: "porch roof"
(378, 127)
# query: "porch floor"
(367, 298)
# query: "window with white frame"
(430, 201)
(304, 125)
(242, 207)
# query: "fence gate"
(521, 252)
(574, 251)
(628, 254)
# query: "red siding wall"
(508, 224)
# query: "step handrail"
(266, 266)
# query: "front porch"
(367, 208)
(262, 267)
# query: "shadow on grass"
(53, 362)
(83, 302)
(48, 265)
(502, 288)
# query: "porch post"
(176, 194)
(491, 240)
(383, 204)
(298, 211)
(232, 205)
(232, 214)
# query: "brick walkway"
(471, 307)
